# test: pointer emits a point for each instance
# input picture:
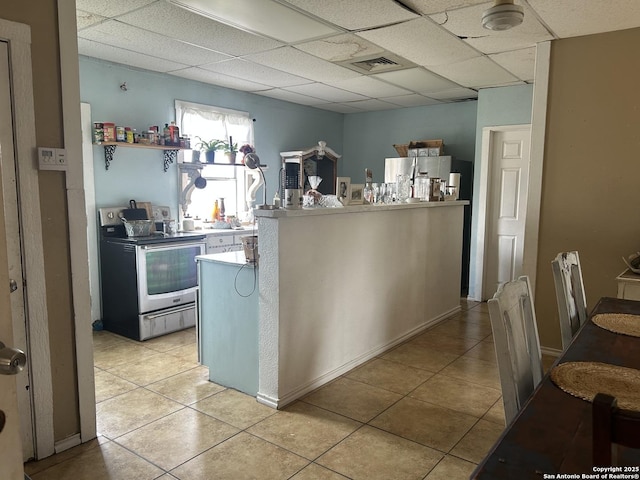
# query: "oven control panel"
(110, 216)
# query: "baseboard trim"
(332, 375)
(67, 443)
(554, 352)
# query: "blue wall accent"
(496, 106)
(149, 100)
(369, 137)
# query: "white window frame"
(213, 173)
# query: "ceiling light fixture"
(502, 16)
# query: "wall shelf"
(170, 153)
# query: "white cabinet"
(628, 285)
(220, 243)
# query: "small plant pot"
(210, 156)
(231, 157)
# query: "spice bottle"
(216, 212)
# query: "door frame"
(536, 159)
(488, 134)
(38, 354)
(77, 218)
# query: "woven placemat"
(619, 323)
(585, 379)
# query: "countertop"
(281, 213)
(221, 231)
(232, 258)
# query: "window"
(223, 181)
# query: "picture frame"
(356, 195)
(343, 189)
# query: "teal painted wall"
(149, 100)
(369, 137)
(496, 106)
(364, 140)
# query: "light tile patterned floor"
(429, 410)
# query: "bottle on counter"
(276, 200)
(221, 210)
(216, 212)
(367, 193)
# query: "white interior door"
(507, 206)
(11, 302)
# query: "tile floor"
(427, 409)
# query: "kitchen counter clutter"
(335, 288)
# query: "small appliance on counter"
(148, 282)
(292, 188)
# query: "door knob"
(13, 286)
(12, 360)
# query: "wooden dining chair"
(612, 426)
(572, 304)
(515, 335)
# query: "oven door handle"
(182, 308)
(172, 245)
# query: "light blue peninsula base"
(228, 320)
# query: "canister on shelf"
(128, 134)
(109, 131)
(98, 132)
(120, 135)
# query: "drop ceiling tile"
(340, 108)
(213, 78)
(467, 23)
(571, 18)
(373, 105)
(86, 19)
(111, 8)
(455, 94)
(248, 70)
(421, 41)
(178, 23)
(413, 100)
(352, 15)
(369, 86)
(293, 61)
(326, 93)
(117, 34)
(285, 24)
(292, 97)
(428, 7)
(126, 57)
(521, 63)
(476, 73)
(417, 80)
(340, 48)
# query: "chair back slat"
(515, 336)
(570, 296)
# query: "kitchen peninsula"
(338, 286)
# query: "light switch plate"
(52, 158)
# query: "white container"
(250, 247)
(188, 225)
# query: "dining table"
(551, 436)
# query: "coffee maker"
(291, 183)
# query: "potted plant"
(230, 150)
(209, 148)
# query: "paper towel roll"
(454, 181)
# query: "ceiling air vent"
(377, 64)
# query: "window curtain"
(209, 123)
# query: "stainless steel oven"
(148, 284)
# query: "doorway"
(504, 192)
(23, 239)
